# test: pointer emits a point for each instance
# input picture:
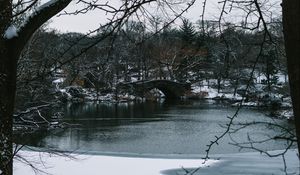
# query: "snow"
(134, 79)
(213, 93)
(100, 164)
(11, 32)
(288, 114)
(282, 78)
(249, 104)
(45, 5)
(57, 82)
(36, 12)
(260, 78)
(223, 164)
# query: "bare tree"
(291, 10)
(20, 19)
(18, 22)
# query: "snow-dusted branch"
(41, 15)
(29, 110)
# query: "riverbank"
(257, 97)
(222, 164)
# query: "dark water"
(182, 128)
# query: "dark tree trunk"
(219, 84)
(10, 50)
(8, 64)
(7, 90)
(291, 27)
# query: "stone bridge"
(171, 89)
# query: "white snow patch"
(11, 32)
(282, 78)
(45, 5)
(249, 104)
(63, 90)
(260, 78)
(288, 114)
(59, 80)
(100, 164)
(227, 164)
(213, 93)
(134, 79)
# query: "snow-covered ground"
(227, 164)
(101, 164)
(259, 96)
(212, 93)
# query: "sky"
(92, 20)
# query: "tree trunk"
(7, 91)
(10, 50)
(8, 63)
(291, 29)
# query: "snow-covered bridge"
(171, 89)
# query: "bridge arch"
(171, 89)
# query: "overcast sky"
(92, 20)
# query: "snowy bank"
(227, 164)
(100, 164)
(212, 93)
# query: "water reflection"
(109, 114)
(181, 127)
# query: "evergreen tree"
(187, 31)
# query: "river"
(156, 128)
